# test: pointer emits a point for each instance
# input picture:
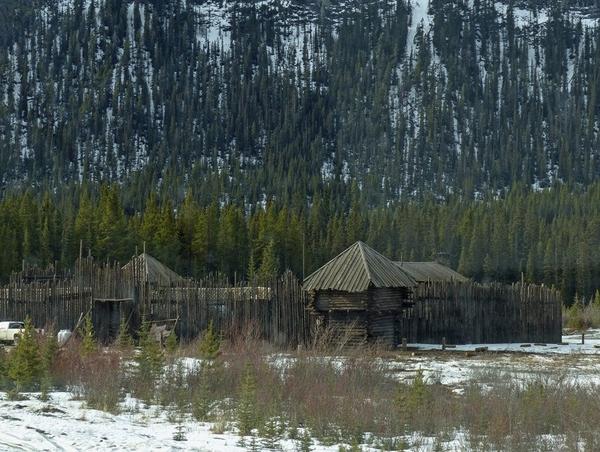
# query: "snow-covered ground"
(571, 345)
(570, 361)
(63, 424)
(458, 369)
(66, 424)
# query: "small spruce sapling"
(247, 413)
(150, 360)
(202, 402)
(305, 441)
(171, 342)
(209, 344)
(270, 433)
(88, 344)
(254, 445)
(25, 366)
(415, 399)
(180, 431)
(49, 351)
(292, 431)
(124, 339)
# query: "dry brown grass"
(349, 397)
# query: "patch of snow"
(64, 424)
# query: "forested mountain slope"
(243, 100)
(244, 137)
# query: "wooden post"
(444, 343)
(404, 344)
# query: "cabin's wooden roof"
(430, 271)
(356, 269)
(154, 271)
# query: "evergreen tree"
(305, 442)
(251, 273)
(204, 240)
(49, 350)
(88, 344)
(247, 410)
(270, 433)
(209, 345)
(124, 339)
(167, 248)
(269, 267)
(150, 358)
(25, 365)
(202, 402)
(112, 228)
(171, 342)
(85, 222)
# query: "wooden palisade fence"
(483, 313)
(275, 310)
(278, 310)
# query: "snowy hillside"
(399, 98)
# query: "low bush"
(582, 315)
(93, 376)
(100, 380)
(349, 399)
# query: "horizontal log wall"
(350, 327)
(387, 300)
(341, 301)
(383, 327)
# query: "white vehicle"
(10, 331)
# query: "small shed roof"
(153, 270)
(356, 269)
(430, 271)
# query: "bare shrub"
(246, 339)
(68, 364)
(518, 415)
(100, 379)
(95, 377)
(338, 398)
(328, 339)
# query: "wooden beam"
(116, 300)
